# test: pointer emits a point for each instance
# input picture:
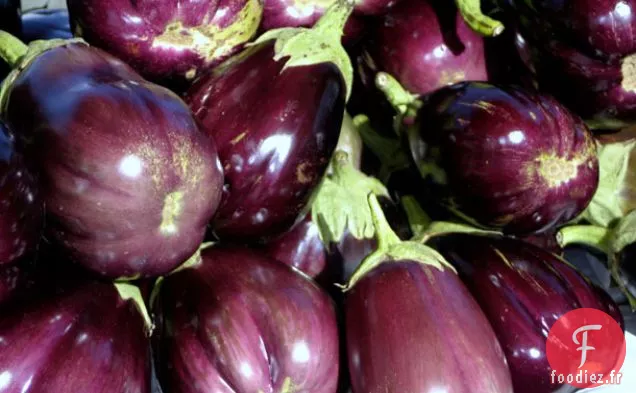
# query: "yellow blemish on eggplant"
(502, 256)
(301, 176)
(172, 207)
(191, 74)
(238, 138)
(210, 41)
(450, 78)
(288, 386)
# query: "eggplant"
(275, 111)
(505, 158)
(11, 280)
(128, 179)
(45, 24)
(615, 196)
(582, 53)
(21, 208)
(523, 290)
(425, 45)
(86, 337)
(242, 322)
(167, 41)
(405, 301)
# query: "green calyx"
(405, 103)
(590, 235)
(388, 150)
(131, 292)
(340, 201)
(475, 18)
(392, 249)
(319, 44)
(624, 233)
(616, 192)
(19, 56)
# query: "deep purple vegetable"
(275, 111)
(11, 279)
(167, 40)
(583, 53)
(21, 210)
(504, 157)
(242, 322)
(406, 301)
(128, 180)
(87, 337)
(45, 24)
(523, 291)
(425, 45)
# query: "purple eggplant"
(21, 209)
(128, 180)
(87, 337)
(11, 280)
(582, 52)
(242, 322)
(167, 40)
(523, 290)
(425, 45)
(275, 111)
(406, 301)
(45, 24)
(505, 158)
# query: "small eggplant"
(128, 180)
(425, 45)
(167, 40)
(523, 291)
(21, 209)
(505, 158)
(412, 326)
(241, 322)
(615, 196)
(45, 24)
(275, 111)
(582, 52)
(89, 337)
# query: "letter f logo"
(584, 347)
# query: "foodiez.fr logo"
(586, 348)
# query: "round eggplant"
(167, 40)
(128, 180)
(242, 322)
(405, 301)
(523, 291)
(21, 209)
(504, 157)
(582, 52)
(425, 45)
(45, 24)
(275, 111)
(88, 337)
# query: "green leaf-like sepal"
(340, 202)
(475, 18)
(132, 292)
(319, 44)
(624, 233)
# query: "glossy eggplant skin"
(407, 332)
(128, 179)
(81, 338)
(582, 53)
(167, 40)
(425, 45)
(523, 290)
(241, 322)
(21, 209)
(510, 158)
(45, 24)
(275, 131)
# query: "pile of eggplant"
(316, 196)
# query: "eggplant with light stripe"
(167, 41)
(241, 322)
(523, 290)
(504, 157)
(128, 180)
(275, 111)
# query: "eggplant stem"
(590, 235)
(132, 292)
(475, 18)
(384, 233)
(11, 49)
(419, 221)
(400, 99)
(440, 228)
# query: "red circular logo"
(586, 348)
